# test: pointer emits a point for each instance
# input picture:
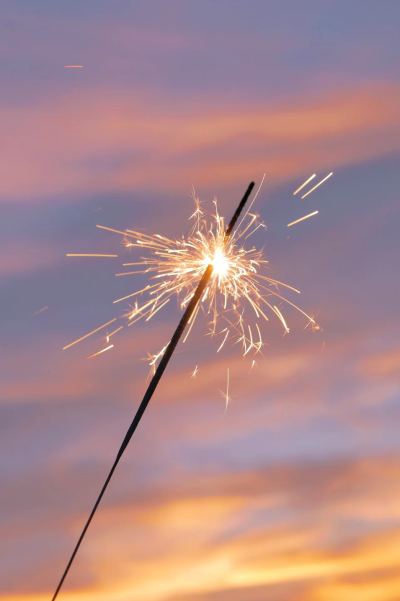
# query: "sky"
(293, 492)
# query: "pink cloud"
(91, 141)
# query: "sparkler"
(217, 263)
(209, 270)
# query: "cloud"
(211, 534)
(87, 141)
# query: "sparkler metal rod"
(155, 380)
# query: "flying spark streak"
(223, 342)
(282, 319)
(40, 310)
(90, 333)
(135, 293)
(158, 308)
(91, 255)
(305, 183)
(73, 67)
(130, 273)
(112, 333)
(103, 351)
(227, 391)
(258, 226)
(155, 357)
(302, 218)
(102, 227)
(321, 182)
(191, 322)
(195, 372)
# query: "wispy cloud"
(91, 141)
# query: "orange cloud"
(91, 141)
(198, 539)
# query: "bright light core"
(220, 263)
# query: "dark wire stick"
(155, 380)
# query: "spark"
(314, 327)
(158, 308)
(91, 255)
(103, 351)
(305, 183)
(223, 342)
(40, 310)
(195, 372)
(112, 333)
(73, 67)
(102, 227)
(282, 319)
(134, 293)
(258, 226)
(191, 322)
(321, 182)
(302, 218)
(227, 399)
(90, 333)
(130, 273)
(154, 358)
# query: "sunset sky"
(293, 494)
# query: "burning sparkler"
(168, 350)
(210, 270)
